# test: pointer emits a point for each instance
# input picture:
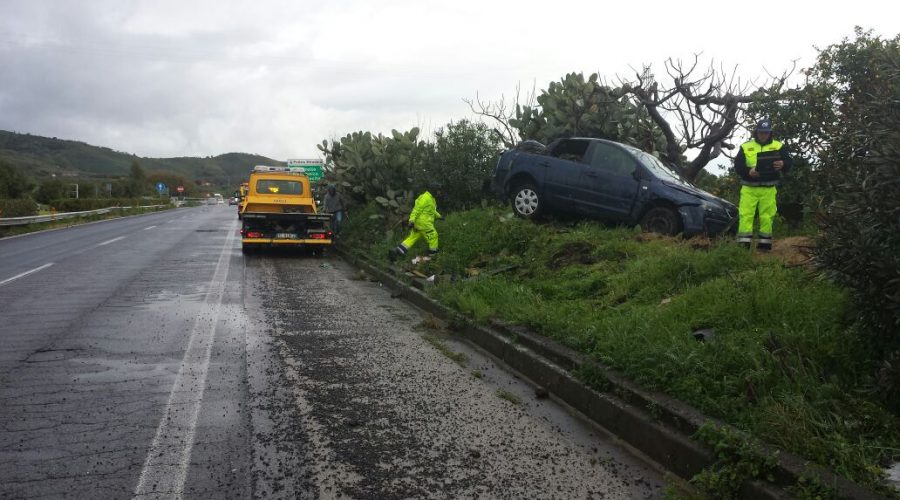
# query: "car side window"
(571, 150)
(611, 159)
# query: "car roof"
(593, 139)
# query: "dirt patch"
(577, 252)
(643, 237)
(701, 243)
(794, 251)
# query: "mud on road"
(355, 402)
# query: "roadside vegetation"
(784, 362)
(800, 348)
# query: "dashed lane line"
(26, 273)
(107, 242)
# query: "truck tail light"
(253, 234)
(317, 236)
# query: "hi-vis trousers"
(763, 198)
(426, 231)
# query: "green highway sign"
(312, 167)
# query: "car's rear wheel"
(526, 201)
(661, 220)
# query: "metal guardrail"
(33, 219)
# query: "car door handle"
(591, 174)
(543, 164)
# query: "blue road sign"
(160, 187)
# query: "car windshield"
(279, 187)
(656, 167)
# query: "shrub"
(859, 242)
(464, 155)
(83, 204)
(20, 207)
(13, 183)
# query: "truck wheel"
(526, 201)
(661, 220)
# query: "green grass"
(457, 357)
(785, 364)
(512, 398)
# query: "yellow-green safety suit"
(422, 218)
(759, 193)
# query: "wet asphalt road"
(146, 357)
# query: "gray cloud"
(168, 78)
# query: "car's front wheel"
(526, 201)
(661, 220)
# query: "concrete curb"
(655, 424)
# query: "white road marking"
(26, 273)
(166, 465)
(148, 228)
(107, 242)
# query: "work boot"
(396, 253)
(744, 244)
(764, 247)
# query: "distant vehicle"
(610, 181)
(234, 200)
(212, 201)
(279, 210)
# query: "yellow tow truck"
(279, 210)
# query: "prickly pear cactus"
(377, 167)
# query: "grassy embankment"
(784, 365)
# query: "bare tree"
(501, 113)
(700, 110)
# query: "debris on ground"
(704, 334)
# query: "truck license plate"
(286, 236)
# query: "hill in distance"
(41, 157)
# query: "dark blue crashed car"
(608, 181)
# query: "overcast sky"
(196, 78)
